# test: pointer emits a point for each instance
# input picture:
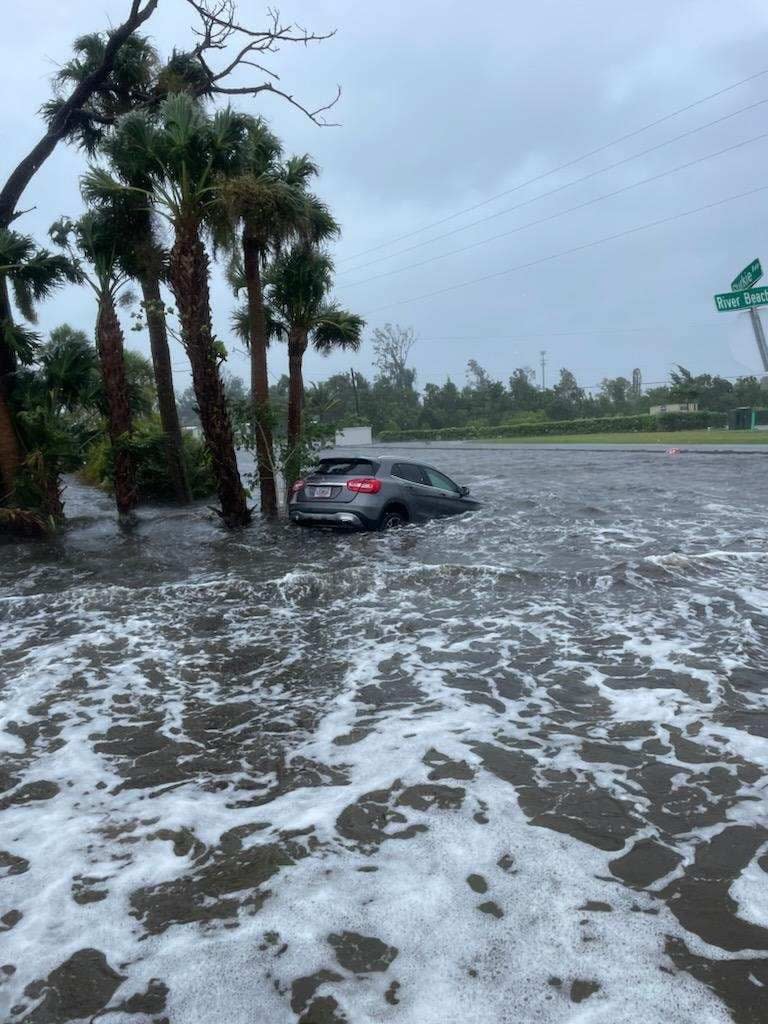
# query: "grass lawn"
(668, 438)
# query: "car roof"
(382, 460)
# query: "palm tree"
(137, 77)
(267, 210)
(55, 401)
(32, 274)
(146, 262)
(97, 238)
(272, 204)
(180, 155)
(298, 285)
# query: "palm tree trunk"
(189, 280)
(166, 399)
(109, 342)
(10, 453)
(10, 447)
(260, 410)
(297, 346)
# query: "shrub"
(148, 445)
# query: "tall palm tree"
(268, 208)
(137, 79)
(146, 261)
(298, 284)
(181, 154)
(97, 239)
(272, 202)
(30, 274)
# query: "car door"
(443, 495)
(417, 488)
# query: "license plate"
(322, 492)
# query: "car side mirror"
(463, 491)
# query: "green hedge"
(535, 428)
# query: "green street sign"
(748, 276)
(746, 299)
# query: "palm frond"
(183, 73)
(337, 328)
(15, 250)
(33, 273)
(68, 366)
(319, 223)
(264, 149)
(277, 329)
(240, 323)
(235, 272)
(299, 170)
(20, 340)
(98, 186)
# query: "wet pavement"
(503, 768)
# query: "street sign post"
(728, 302)
(744, 296)
(747, 277)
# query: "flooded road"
(504, 768)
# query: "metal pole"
(757, 325)
(354, 391)
(543, 354)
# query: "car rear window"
(347, 467)
(407, 471)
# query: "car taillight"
(296, 487)
(364, 485)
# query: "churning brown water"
(505, 768)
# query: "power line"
(562, 188)
(574, 249)
(565, 334)
(560, 213)
(562, 167)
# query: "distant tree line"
(391, 399)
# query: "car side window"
(439, 480)
(407, 471)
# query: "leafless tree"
(391, 346)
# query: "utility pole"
(757, 326)
(543, 354)
(353, 378)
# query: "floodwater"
(504, 768)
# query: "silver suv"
(361, 492)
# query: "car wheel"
(392, 519)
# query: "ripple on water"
(509, 767)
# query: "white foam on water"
(750, 890)
(359, 671)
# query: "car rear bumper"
(344, 518)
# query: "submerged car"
(361, 492)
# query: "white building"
(353, 437)
(657, 410)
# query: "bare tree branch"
(221, 15)
(219, 27)
(313, 115)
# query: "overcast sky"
(446, 106)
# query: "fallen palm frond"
(22, 522)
